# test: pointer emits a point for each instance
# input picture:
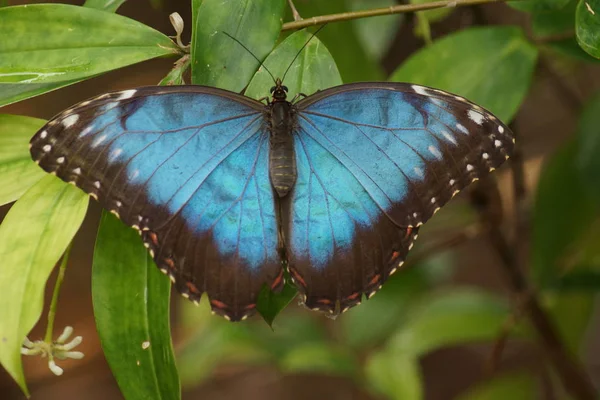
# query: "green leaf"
(375, 34)
(54, 45)
(588, 146)
(320, 358)
(571, 313)
(587, 25)
(313, 70)
(342, 41)
(554, 22)
(499, 60)
(515, 385)
(34, 234)
(131, 307)
(449, 318)
(533, 6)
(270, 304)
(563, 213)
(104, 5)
(396, 375)
(426, 18)
(17, 171)
(217, 60)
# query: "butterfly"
(227, 191)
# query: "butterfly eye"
(273, 89)
(285, 88)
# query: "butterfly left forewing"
(185, 166)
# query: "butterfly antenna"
(251, 53)
(300, 51)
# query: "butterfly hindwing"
(375, 161)
(188, 168)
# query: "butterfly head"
(279, 91)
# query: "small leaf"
(313, 70)
(54, 45)
(448, 318)
(104, 5)
(17, 171)
(587, 23)
(270, 304)
(34, 234)
(217, 60)
(499, 60)
(515, 385)
(396, 375)
(131, 307)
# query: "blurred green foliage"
(379, 344)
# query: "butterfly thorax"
(282, 159)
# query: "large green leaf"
(131, 307)
(587, 24)
(499, 60)
(54, 45)
(314, 69)
(105, 5)
(375, 34)
(395, 375)
(588, 143)
(563, 213)
(17, 171)
(516, 385)
(449, 318)
(217, 60)
(33, 236)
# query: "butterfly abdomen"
(282, 157)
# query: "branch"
(399, 9)
(571, 373)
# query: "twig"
(295, 12)
(399, 9)
(469, 233)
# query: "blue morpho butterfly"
(227, 191)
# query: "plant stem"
(53, 304)
(399, 9)
(571, 373)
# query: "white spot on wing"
(462, 128)
(500, 129)
(485, 156)
(452, 182)
(126, 94)
(70, 120)
(77, 171)
(115, 153)
(476, 117)
(43, 134)
(97, 184)
(449, 137)
(435, 151)
(497, 143)
(60, 160)
(47, 148)
(86, 131)
(419, 172)
(99, 140)
(420, 90)
(433, 200)
(470, 167)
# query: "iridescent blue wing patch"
(187, 166)
(375, 161)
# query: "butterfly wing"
(375, 161)
(188, 168)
